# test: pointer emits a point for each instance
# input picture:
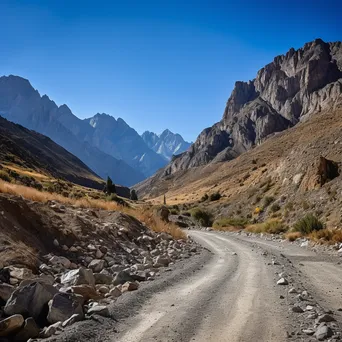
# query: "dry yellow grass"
(327, 235)
(145, 215)
(292, 236)
(27, 172)
(149, 217)
(271, 226)
(42, 196)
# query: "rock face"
(284, 92)
(166, 144)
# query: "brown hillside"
(286, 167)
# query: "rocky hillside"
(30, 150)
(166, 144)
(22, 104)
(288, 90)
(292, 173)
(62, 264)
(119, 140)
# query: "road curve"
(232, 298)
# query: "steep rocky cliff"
(284, 92)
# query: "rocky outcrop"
(288, 90)
(166, 144)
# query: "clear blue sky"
(157, 64)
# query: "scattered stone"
(62, 307)
(51, 330)
(115, 292)
(100, 310)
(162, 261)
(308, 331)
(11, 324)
(323, 332)
(60, 260)
(5, 291)
(86, 291)
(122, 277)
(55, 243)
(78, 277)
(282, 281)
(129, 286)
(297, 308)
(20, 273)
(30, 299)
(30, 330)
(101, 278)
(73, 319)
(293, 290)
(44, 279)
(325, 318)
(97, 265)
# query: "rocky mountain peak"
(165, 144)
(292, 87)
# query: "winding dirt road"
(233, 298)
(226, 293)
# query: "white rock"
(282, 281)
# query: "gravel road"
(228, 294)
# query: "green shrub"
(231, 221)
(118, 200)
(201, 216)
(272, 226)
(268, 200)
(173, 211)
(186, 213)
(308, 224)
(5, 176)
(215, 196)
(109, 187)
(204, 198)
(289, 206)
(275, 207)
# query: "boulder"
(60, 260)
(97, 265)
(62, 307)
(86, 291)
(5, 291)
(115, 292)
(44, 279)
(323, 332)
(122, 277)
(162, 261)
(101, 278)
(129, 286)
(100, 310)
(11, 324)
(78, 277)
(29, 330)
(20, 273)
(30, 300)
